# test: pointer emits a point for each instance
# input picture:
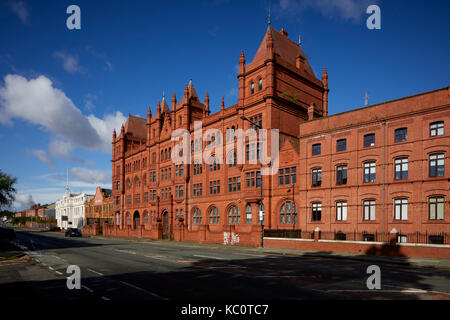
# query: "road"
(167, 271)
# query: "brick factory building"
(365, 171)
(99, 209)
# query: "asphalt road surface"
(167, 271)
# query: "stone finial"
(325, 77)
(174, 101)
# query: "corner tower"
(281, 78)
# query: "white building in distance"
(70, 210)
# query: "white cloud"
(43, 157)
(70, 62)
(105, 127)
(351, 10)
(21, 9)
(39, 103)
(91, 176)
(60, 149)
(22, 202)
(109, 66)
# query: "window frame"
(340, 180)
(436, 166)
(436, 203)
(401, 202)
(438, 125)
(341, 145)
(399, 163)
(316, 211)
(368, 143)
(341, 214)
(368, 166)
(401, 134)
(316, 177)
(371, 214)
(316, 149)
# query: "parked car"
(73, 232)
(7, 233)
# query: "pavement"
(136, 269)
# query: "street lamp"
(261, 205)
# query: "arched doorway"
(165, 222)
(136, 219)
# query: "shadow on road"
(265, 278)
(36, 241)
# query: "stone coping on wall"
(424, 245)
(365, 242)
(289, 239)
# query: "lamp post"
(261, 211)
(293, 206)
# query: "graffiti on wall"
(230, 238)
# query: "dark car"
(73, 232)
(7, 233)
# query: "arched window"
(214, 217)
(162, 155)
(288, 213)
(128, 219)
(197, 216)
(145, 217)
(248, 214)
(232, 158)
(128, 184)
(260, 84)
(137, 182)
(252, 88)
(234, 215)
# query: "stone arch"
(136, 220)
(278, 207)
(128, 218)
(233, 214)
(197, 215)
(212, 217)
(145, 216)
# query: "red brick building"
(380, 167)
(99, 209)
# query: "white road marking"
(412, 290)
(51, 268)
(60, 273)
(88, 289)
(99, 273)
(137, 288)
(209, 257)
(125, 251)
(251, 255)
(105, 298)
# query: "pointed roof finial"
(164, 95)
(299, 40)
(268, 20)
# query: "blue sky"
(63, 91)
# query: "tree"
(7, 190)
